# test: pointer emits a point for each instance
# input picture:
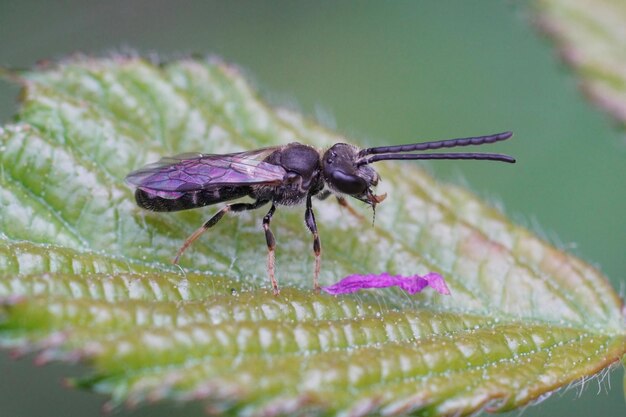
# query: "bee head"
(346, 168)
(343, 175)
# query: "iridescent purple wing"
(173, 176)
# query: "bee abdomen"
(189, 200)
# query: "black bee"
(280, 175)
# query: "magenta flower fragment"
(411, 284)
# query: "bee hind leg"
(237, 207)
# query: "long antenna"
(383, 153)
(478, 156)
(449, 143)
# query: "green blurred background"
(379, 72)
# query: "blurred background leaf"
(591, 37)
(399, 72)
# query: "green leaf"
(590, 36)
(86, 275)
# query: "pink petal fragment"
(412, 284)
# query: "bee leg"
(344, 203)
(271, 244)
(309, 219)
(213, 220)
(323, 195)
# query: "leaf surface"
(86, 275)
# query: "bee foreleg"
(271, 244)
(344, 203)
(213, 221)
(309, 219)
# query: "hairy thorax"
(303, 177)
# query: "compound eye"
(348, 184)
